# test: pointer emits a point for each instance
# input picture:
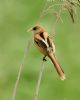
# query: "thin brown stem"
(20, 70)
(39, 81)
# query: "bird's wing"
(40, 41)
(51, 44)
(44, 41)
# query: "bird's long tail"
(57, 66)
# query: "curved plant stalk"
(50, 9)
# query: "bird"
(46, 46)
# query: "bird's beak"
(30, 29)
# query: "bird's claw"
(44, 59)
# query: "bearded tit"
(46, 46)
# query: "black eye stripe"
(34, 28)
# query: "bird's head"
(37, 29)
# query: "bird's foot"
(44, 58)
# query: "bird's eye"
(35, 28)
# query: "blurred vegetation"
(16, 16)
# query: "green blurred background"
(16, 16)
